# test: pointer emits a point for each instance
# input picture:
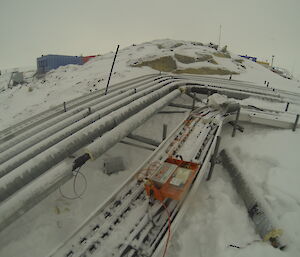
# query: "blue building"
(49, 62)
(254, 59)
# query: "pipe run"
(99, 114)
(109, 139)
(258, 211)
(39, 188)
(35, 120)
(28, 196)
(31, 194)
(26, 140)
(53, 122)
(36, 166)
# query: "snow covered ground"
(216, 217)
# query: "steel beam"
(145, 140)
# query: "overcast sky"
(30, 28)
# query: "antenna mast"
(220, 35)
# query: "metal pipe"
(171, 112)
(238, 127)
(191, 88)
(137, 145)
(236, 122)
(165, 129)
(63, 116)
(296, 122)
(31, 152)
(64, 153)
(194, 101)
(257, 209)
(36, 166)
(213, 158)
(105, 101)
(38, 148)
(12, 132)
(193, 96)
(287, 107)
(184, 106)
(40, 187)
(31, 194)
(53, 112)
(109, 139)
(145, 140)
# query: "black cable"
(77, 171)
(241, 247)
(78, 162)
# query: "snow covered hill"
(216, 217)
(68, 82)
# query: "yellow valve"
(273, 234)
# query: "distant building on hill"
(49, 62)
(254, 59)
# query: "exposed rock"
(177, 45)
(188, 59)
(212, 60)
(224, 49)
(184, 59)
(197, 44)
(222, 55)
(206, 71)
(204, 57)
(165, 63)
(238, 60)
(160, 46)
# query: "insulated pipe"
(5, 146)
(33, 193)
(21, 142)
(109, 139)
(199, 79)
(231, 84)
(27, 197)
(39, 188)
(205, 90)
(61, 117)
(257, 209)
(12, 148)
(65, 154)
(24, 125)
(237, 92)
(17, 160)
(68, 131)
(36, 166)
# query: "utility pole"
(293, 67)
(272, 61)
(112, 66)
(220, 35)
